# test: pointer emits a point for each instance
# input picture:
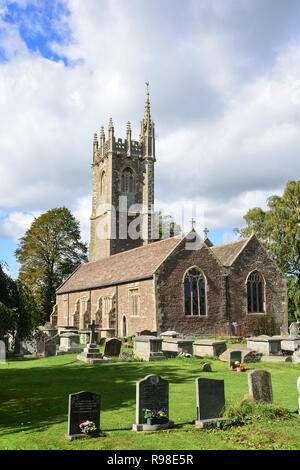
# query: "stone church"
(183, 283)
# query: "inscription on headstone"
(152, 392)
(83, 406)
(260, 386)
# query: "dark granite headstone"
(210, 398)
(234, 356)
(112, 347)
(152, 392)
(83, 406)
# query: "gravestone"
(233, 356)
(69, 343)
(45, 346)
(260, 386)
(294, 329)
(210, 397)
(91, 354)
(112, 347)
(28, 347)
(152, 392)
(298, 387)
(125, 356)
(296, 357)
(148, 348)
(2, 352)
(206, 367)
(83, 406)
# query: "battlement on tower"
(123, 147)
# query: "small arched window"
(194, 292)
(127, 181)
(255, 293)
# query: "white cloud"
(224, 96)
(15, 224)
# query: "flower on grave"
(185, 354)
(88, 427)
(237, 363)
(154, 413)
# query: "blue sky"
(225, 98)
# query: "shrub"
(247, 411)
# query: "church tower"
(123, 190)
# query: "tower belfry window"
(127, 181)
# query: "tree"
(165, 226)
(278, 228)
(49, 252)
(19, 313)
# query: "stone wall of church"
(78, 309)
(170, 293)
(145, 320)
(254, 257)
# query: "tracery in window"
(194, 292)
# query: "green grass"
(34, 405)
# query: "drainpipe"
(117, 312)
(227, 306)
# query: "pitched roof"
(130, 265)
(228, 252)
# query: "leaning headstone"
(2, 352)
(210, 401)
(152, 392)
(83, 406)
(260, 386)
(298, 386)
(234, 356)
(206, 367)
(112, 347)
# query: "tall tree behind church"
(49, 252)
(278, 228)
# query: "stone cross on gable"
(193, 221)
(93, 327)
(205, 231)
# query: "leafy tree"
(278, 228)
(165, 226)
(19, 314)
(49, 252)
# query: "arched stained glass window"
(127, 181)
(255, 293)
(194, 292)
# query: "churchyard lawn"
(34, 405)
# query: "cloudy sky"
(225, 96)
